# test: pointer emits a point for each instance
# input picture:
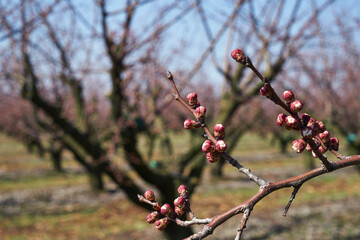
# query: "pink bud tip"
(200, 112)
(156, 206)
(213, 157)
(182, 189)
(166, 210)
(220, 146)
(308, 132)
(179, 211)
(161, 224)
(334, 143)
(308, 148)
(305, 118)
(239, 56)
(296, 106)
(319, 127)
(179, 202)
(291, 122)
(152, 217)
(299, 145)
(219, 131)
(311, 123)
(190, 124)
(288, 96)
(192, 98)
(281, 119)
(149, 195)
(208, 146)
(265, 91)
(325, 136)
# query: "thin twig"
(243, 222)
(296, 189)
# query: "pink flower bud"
(152, 217)
(190, 124)
(311, 122)
(219, 131)
(305, 118)
(149, 195)
(179, 211)
(239, 56)
(265, 91)
(208, 146)
(220, 146)
(321, 149)
(334, 143)
(291, 122)
(319, 127)
(288, 96)
(182, 190)
(156, 206)
(308, 148)
(161, 224)
(166, 210)
(296, 106)
(179, 202)
(299, 145)
(281, 119)
(325, 136)
(308, 132)
(200, 112)
(192, 98)
(213, 157)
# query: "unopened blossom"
(288, 96)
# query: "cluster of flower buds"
(308, 127)
(214, 150)
(199, 112)
(162, 214)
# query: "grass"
(117, 218)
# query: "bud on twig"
(305, 118)
(190, 124)
(319, 127)
(308, 132)
(213, 157)
(182, 190)
(179, 211)
(219, 131)
(208, 146)
(179, 202)
(161, 224)
(265, 91)
(281, 119)
(220, 146)
(200, 112)
(288, 96)
(166, 210)
(311, 123)
(299, 145)
(152, 217)
(156, 206)
(296, 106)
(149, 195)
(325, 136)
(291, 122)
(334, 143)
(239, 56)
(192, 98)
